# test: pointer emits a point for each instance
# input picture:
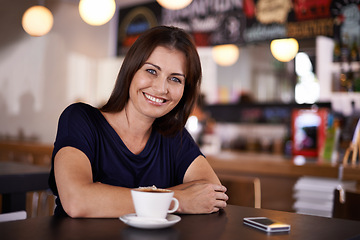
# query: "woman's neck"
(134, 132)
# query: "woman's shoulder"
(80, 107)
(79, 110)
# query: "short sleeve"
(187, 152)
(76, 129)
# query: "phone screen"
(264, 221)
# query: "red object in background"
(308, 131)
(201, 38)
(311, 9)
(249, 8)
(129, 40)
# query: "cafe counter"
(277, 173)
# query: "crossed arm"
(201, 191)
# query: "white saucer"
(133, 221)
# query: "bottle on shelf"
(345, 50)
(354, 53)
(343, 80)
(350, 80)
(357, 82)
(337, 51)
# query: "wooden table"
(18, 178)
(228, 224)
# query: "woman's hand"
(201, 197)
(201, 191)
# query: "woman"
(138, 137)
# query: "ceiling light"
(174, 4)
(284, 50)
(37, 21)
(97, 12)
(225, 55)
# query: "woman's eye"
(175, 79)
(152, 71)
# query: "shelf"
(355, 66)
(349, 94)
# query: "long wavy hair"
(140, 51)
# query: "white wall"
(40, 76)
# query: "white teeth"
(151, 98)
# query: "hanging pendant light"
(37, 21)
(284, 50)
(174, 4)
(97, 12)
(225, 55)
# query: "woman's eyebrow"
(159, 68)
(178, 74)
(156, 66)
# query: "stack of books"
(315, 196)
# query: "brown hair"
(135, 58)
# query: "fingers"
(221, 196)
(215, 197)
(215, 210)
(220, 192)
(219, 188)
(204, 198)
(219, 205)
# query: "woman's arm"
(202, 191)
(81, 197)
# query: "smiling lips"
(154, 99)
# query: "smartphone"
(266, 224)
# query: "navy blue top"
(162, 163)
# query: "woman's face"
(157, 87)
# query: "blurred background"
(76, 61)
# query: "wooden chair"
(242, 191)
(39, 203)
(346, 204)
(352, 152)
(33, 153)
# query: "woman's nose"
(160, 85)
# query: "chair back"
(242, 191)
(352, 153)
(346, 204)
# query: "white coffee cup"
(153, 202)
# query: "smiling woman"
(138, 137)
(139, 53)
(157, 87)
